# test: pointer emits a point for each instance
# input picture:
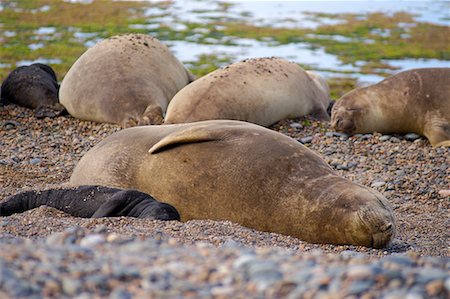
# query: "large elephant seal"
(416, 101)
(126, 79)
(245, 173)
(34, 86)
(91, 202)
(261, 91)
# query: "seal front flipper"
(132, 203)
(196, 134)
(438, 134)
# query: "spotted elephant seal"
(34, 86)
(126, 79)
(91, 202)
(416, 101)
(242, 172)
(261, 91)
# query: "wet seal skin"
(259, 90)
(126, 79)
(91, 202)
(34, 86)
(416, 101)
(244, 173)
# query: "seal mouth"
(344, 125)
(383, 238)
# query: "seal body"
(245, 173)
(261, 91)
(415, 101)
(35, 87)
(126, 79)
(91, 202)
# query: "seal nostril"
(387, 227)
(338, 122)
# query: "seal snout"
(381, 225)
(344, 125)
(384, 237)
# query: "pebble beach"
(45, 253)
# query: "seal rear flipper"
(196, 134)
(132, 203)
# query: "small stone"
(341, 167)
(444, 192)
(296, 126)
(412, 136)
(359, 286)
(71, 286)
(435, 287)
(366, 137)
(92, 240)
(338, 134)
(447, 284)
(394, 140)
(11, 125)
(377, 184)
(352, 164)
(359, 272)
(329, 134)
(35, 161)
(306, 140)
(385, 138)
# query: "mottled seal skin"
(126, 79)
(241, 172)
(91, 202)
(260, 90)
(34, 86)
(416, 101)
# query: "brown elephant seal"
(34, 86)
(261, 91)
(126, 79)
(415, 101)
(241, 172)
(91, 202)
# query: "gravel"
(46, 253)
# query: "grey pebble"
(394, 140)
(341, 167)
(35, 161)
(120, 294)
(377, 184)
(329, 134)
(385, 138)
(365, 137)
(359, 286)
(296, 126)
(412, 136)
(305, 140)
(71, 286)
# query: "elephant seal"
(415, 101)
(91, 202)
(241, 172)
(34, 86)
(261, 91)
(126, 79)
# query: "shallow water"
(294, 14)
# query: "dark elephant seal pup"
(245, 173)
(126, 79)
(34, 86)
(91, 202)
(261, 91)
(416, 101)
